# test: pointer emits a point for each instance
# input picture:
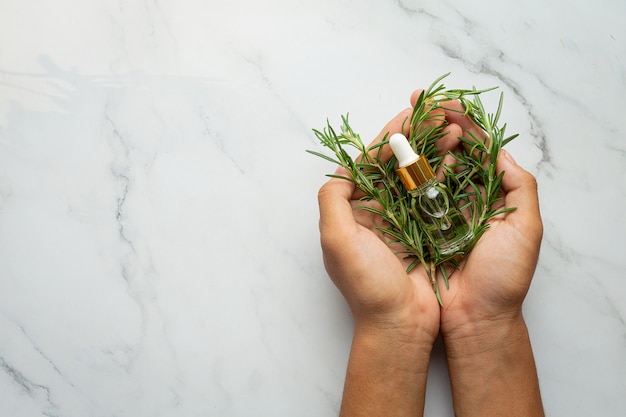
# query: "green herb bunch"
(472, 178)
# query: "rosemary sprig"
(472, 179)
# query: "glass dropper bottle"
(433, 205)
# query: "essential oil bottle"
(432, 203)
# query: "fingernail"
(341, 171)
(508, 156)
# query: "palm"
(491, 280)
(386, 284)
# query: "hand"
(363, 265)
(494, 278)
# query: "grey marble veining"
(159, 252)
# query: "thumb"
(334, 204)
(520, 188)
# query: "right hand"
(495, 277)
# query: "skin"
(397, 317)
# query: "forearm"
(386, 376)
(492, 371)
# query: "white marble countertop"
(159, 249)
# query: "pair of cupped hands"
(487, 290)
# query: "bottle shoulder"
(429, 188)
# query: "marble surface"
(159, 249)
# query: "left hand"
(367, 271)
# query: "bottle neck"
(415, 174)
(422, 188)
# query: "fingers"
(436, 116)
(336, 217)
(454, 113)
(445, 144)
(414, 96)
(450, 140)
(399, 124)
(452, 131)
(520, 187)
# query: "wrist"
(493, 360)
(387, 369)
(477, 338)
(465, 320)
(411, 327)
(405, 344)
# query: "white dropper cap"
(402, 150)
(413, 169)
